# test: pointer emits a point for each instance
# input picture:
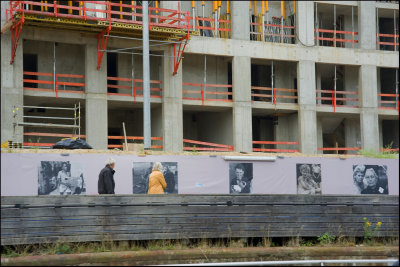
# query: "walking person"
(106, 184)
(157, 182)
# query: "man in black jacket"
(106, 182)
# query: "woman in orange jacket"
(157, 182)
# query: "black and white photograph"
(308, 178)
(370, 179)
(141, 172)
(240, 176)
(61, 178)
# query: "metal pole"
(263, 26)
(203, 20)
(317, 24)
(281, 29)
(79, 119)
(394, 27)
(205, 76)
(54, 67)
(126, 142)
(272, 81)
(352, 26)
(132, 76)
(215, 23)
(397, 89)
(74, 120)
(194, 19)
(334, 88)
(334, 25)
(146, 78)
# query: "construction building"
(273, 76)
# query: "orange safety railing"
(129, 85)
(274, 30)
(39, 135)
(335, 101)
(122, 12)
(122, 138)
(394, 43)
(388, 149)
(60, 86)
(222, 31)
(391, 101)
(273, 94)
(270, 143)
(204, 91)
(341, 41)
(345, 149)
(211, 146)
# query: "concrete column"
(240, 20)
(242, 113)
(172, 114)
(307, 107)
(96, 112)
(367, 24)
(320, 135)
(368, 95)
(11, 85)
(305, 22)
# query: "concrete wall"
(287, 131)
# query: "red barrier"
(204, 92)
(214, 146)
(394, 43)
(336, 101)
(393, 102)
(274, 149)
(332, 39)
(133, 138)
(274, 95)
(338, 148)
(58, 83)
(133, 88)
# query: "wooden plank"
(188, 218)
(181, 199)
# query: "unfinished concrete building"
(270, 76)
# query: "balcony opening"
(388, 88)
(275, 132)
(336, 25)
(131, 114)
(112, 71)
(338, 134)
(337, 85)
(387, 29)
(390, 134)
(207, 80)
(274, 82)
(207, 130)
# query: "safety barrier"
(277, 33)
(334, 39)
(389, 149)
(394, 43)
(335, 101)
(337, 149)
(203, 92)
(56, 82)
(105, 11)
(271, 143)
(39, 135)
(273, 96)
(388, 101)
(211, 146)
(130, 86)
(133, 138)
(211, 27)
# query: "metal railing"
(201, 94)
(263, 145)
(131, 88)
(210, 146)
(333, 100)
(133, 138)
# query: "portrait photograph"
(61, 178)
(141, 172)
(370, 179)
(240, 178)
(308, 178)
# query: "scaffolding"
(46, 122)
